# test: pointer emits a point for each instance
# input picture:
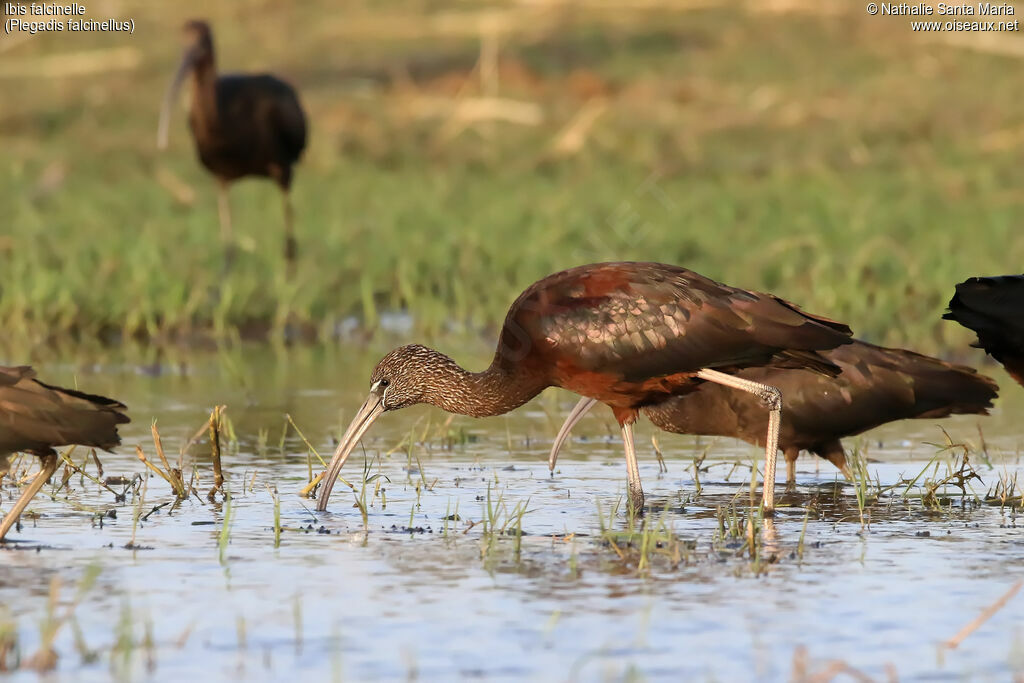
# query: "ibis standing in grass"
(243, 125)
(877, 385)
(994, 308)
(36, 418)
(630, 335)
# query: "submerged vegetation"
(948, 485)
(460, 151)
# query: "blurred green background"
(461, 150)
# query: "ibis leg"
(291, 245)
(791, 455)
(772, 398)
(635, 489)
(49, 466)
(774, 402)
(227, 234)
(575, 415)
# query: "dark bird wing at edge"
(291, 124)
(642, 320)
(940, 389)
(246, 99)
(877, 385)
(993, 307)
(36, 417)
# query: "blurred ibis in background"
(877, 385)
(630, 335)
(36, 418)
(993, 307)
(243, 125)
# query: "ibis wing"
(877, 385)
(37, 417)
(993, 307)
(643, 320)
(290, 125)
(264, 113)
(912, 384)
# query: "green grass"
(833, 160)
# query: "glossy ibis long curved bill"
(171, 95)
(629, 335)
(364, 418)
(575, 415)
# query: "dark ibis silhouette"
(877, 385)
(630, 335)
(993, 307)
(36, 418)
(243, 125)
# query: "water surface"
(412, 595)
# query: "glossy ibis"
(630, 335)
(36, 418)
(877, 385)
(243, 125)
(994, 308)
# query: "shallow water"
(411, 595)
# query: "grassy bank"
(834, 159)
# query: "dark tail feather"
(41, 416)
(942, 389)
(98, 402)
(993, 307)
(971, 306)
(88, 419)
(994, 297)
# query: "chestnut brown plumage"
(243, 125)
(993, 307)
(877, 385)
(36, 418)
(630, 335)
